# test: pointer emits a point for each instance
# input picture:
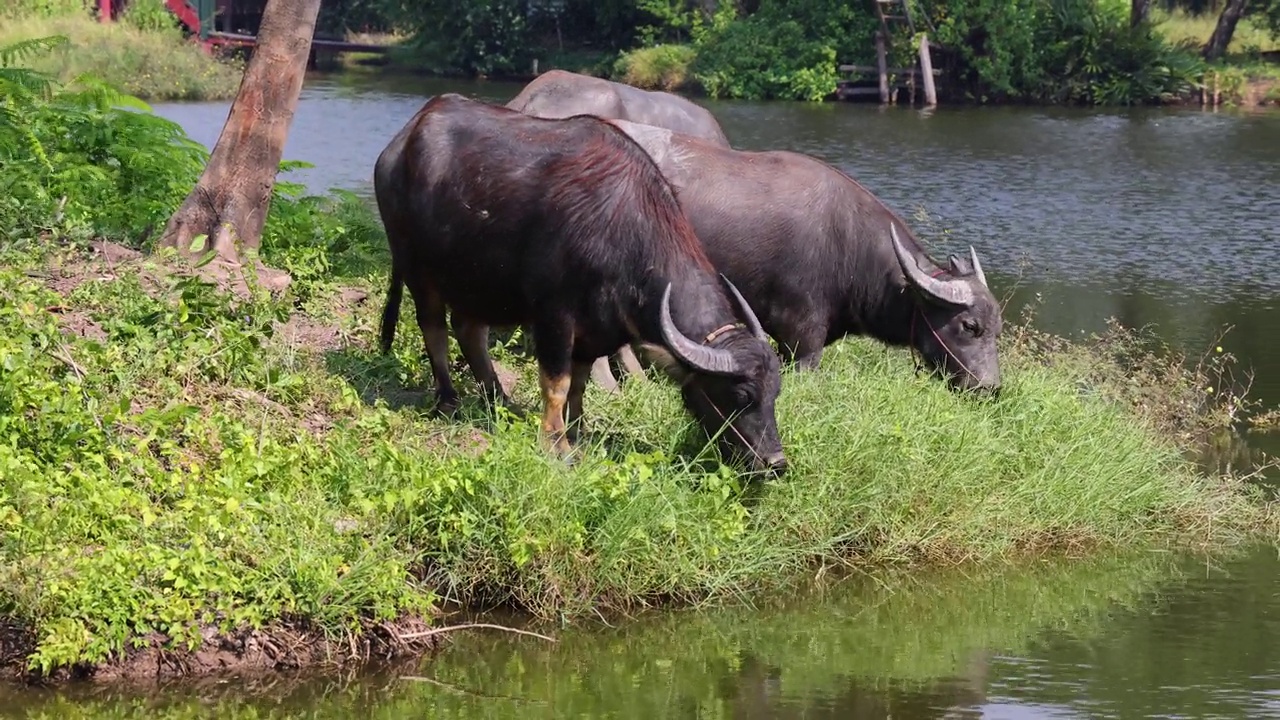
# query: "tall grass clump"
(179, 461)
(144, 58)
(663, 67)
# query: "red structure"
(225, 22)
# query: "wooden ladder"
(900, 12)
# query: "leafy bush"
(76, 163)
(1080, 51)
(663, 67)
(149, 16)
(469, 36)
(788, 50)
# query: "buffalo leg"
(473, 339)
(603, 376)
(553, 343)
(582, 372)
(806, 353)
(429, 308)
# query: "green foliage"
(128, 509)
(1091, 55)
(1077, 51)
(662, 67)
(470, 36)
(149, 16)
(45, 8)
(79, 161)
(787, 49)
(1266, 14)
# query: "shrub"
(663, 67)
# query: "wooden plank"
(338, 45)
(882, 65)
(892, 71)
(926, 64)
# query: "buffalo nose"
(777, 464)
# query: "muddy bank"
(277, 648)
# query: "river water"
(1160, 217)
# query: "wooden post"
(926, 72)
(882, 64)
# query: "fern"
(83, 158)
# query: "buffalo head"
(734, 377)
(956, 320)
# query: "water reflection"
(1147, 636)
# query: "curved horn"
(701, 357)
(753, 323)
(956, 293)
(977, 266)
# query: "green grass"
(176, 459)
(153, 64)
(663, 67)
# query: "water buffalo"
(559, 94)
(566, 227)
(820, 257)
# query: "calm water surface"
(1107, 638)
(1163, 217)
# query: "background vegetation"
(145, 54)
(1050, 51)
(1084, 51)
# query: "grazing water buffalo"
(819, 257)
(560, 94)
(566, 227)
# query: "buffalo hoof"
(558, 445)
(446, 404)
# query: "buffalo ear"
(959, 266)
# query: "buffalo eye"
(973, 327)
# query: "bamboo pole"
(926, 72)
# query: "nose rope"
(916, 356)
(711, 337)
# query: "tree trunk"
(1225, 29)
(1138, 11)
(229, 203)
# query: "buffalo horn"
(956, 293)
(977, 266)
(706, 359)
(753, 323)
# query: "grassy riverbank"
(178, 463)
(233, 477)
(156, 63)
